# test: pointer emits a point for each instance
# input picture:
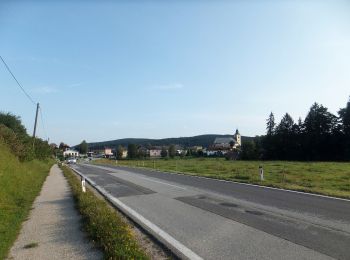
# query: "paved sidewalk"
(54, 224)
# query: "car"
(71, 160)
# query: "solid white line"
(148, 179)
(145, 178)
(180, 249)
(247, 184)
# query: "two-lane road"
(226, 220)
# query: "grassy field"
(20, 183)
(103, 225)
(328, 178)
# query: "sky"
(104, 70)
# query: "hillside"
(200, 140)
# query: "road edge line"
(175, 246)
(241, 183)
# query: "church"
(222, 145)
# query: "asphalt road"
(226, 220)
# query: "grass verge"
(20, 184)
(327, 178)
(104, 226)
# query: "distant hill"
(199, 140)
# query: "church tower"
(238, 137)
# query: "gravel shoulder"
(53, 229)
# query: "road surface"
(225, 220)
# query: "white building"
(70, 153)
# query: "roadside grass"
(327, 178)
(104, 226)
(20, 183)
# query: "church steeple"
(238, 137)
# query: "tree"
(270, 124)
(344, 115)
(249, 151)
(13, 122)
(132, 151)
(319, 125)
(119, 152)
(83, 147)
(164, 152)
(172, 151)
(344, 135)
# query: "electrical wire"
(25, 92)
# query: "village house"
(155, 152)
(70, 153)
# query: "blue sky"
(157, 69)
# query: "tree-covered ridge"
(200, 140)
(322, 136)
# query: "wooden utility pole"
(36, 119)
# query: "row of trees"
(25, 147)
(321, 136)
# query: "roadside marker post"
(261, 172)
(83, 184)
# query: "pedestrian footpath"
(54, 229)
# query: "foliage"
(200, 140)
(172, 151)
(13, 122)
(83, 147)
(119, 152)
(164, 152)
(132, 151)
(270, 124)
(20, 183)
(321, 137)
(25, 147)
(103, 225)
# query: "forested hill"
(200, 140)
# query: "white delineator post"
(83, 184)
(261, 172)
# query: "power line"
(28, 96)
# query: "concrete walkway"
(54, 224)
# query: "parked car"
(71, 160)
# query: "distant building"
(223, 145)
(70, 153)
(107, 151)
(155, 152)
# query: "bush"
(103, 225)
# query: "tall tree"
(132, 151)
(83, 147)
(319, 125)
(344, 115)
(344, 135)
(164, 152)
(172, 151)
(270, 124)
(119, 152)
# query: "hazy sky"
(156, 69)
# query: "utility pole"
(36, 119)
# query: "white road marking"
(248, 184)
(148, 179)
(180, 250)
